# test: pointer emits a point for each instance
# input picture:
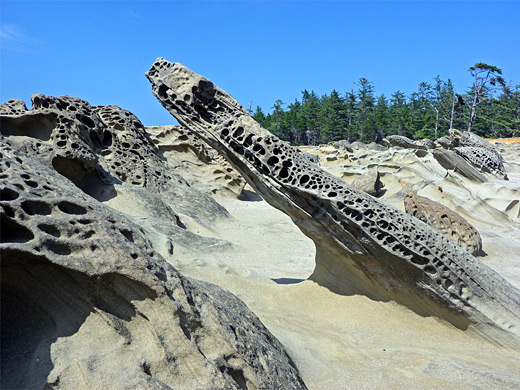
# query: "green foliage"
(428, 112)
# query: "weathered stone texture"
(483, 159)
(369, 183)
(87, 302)
(177, 144)
(363, 245)
(450, 160)
(404, 142)
(446, 221)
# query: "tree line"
(489, 108)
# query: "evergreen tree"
(365, 110)
(381, 118)
(429, 112)
(311, 108)
(260, 117)
(334, 122)
(399, 117)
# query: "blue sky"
(256, 51)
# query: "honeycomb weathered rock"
(483, 159)
(87, 302)
(363, 245)
(446, 221)
(98, 147)
(459, 138)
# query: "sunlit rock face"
(446, 221)
(86, 299)
(364, 246)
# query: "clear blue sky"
(256, 51)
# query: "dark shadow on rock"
(287, 280)
(382, 193)
(42, 302)
(250, 196)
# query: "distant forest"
(489, 108)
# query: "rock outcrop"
(466, 138)
(104, 150)
(404, 142)
(87, 302)
(184, 150)
(363, 246)
(369, 183)
(483, 159)
(450, 160)
(446, 221)
(343, 144)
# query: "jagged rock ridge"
(363, 246)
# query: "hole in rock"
(36, 207)
(38, 126)
(7, 194)
(49, 229)
(12, 231)
(71, 208)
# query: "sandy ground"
(352, 342)
(344, 342)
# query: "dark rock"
(452, 161)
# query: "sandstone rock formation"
(184, 150)
(426, 142)
(452, 161)
(483, 159)
(86, 301)
(446, 221)
(404, 142)
(343, 144)
(445, 141)
(311, 158)
(466, 138)
(369, 183)
(363, 246)
(98, 149)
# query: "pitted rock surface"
(426, 142)
(466, 138)
(363, 245)
(86, 301)
(404, 142)
(446, 221)
(128, 153)
(98, 148)
(13, 107)
(482, 159)
(61, 132)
